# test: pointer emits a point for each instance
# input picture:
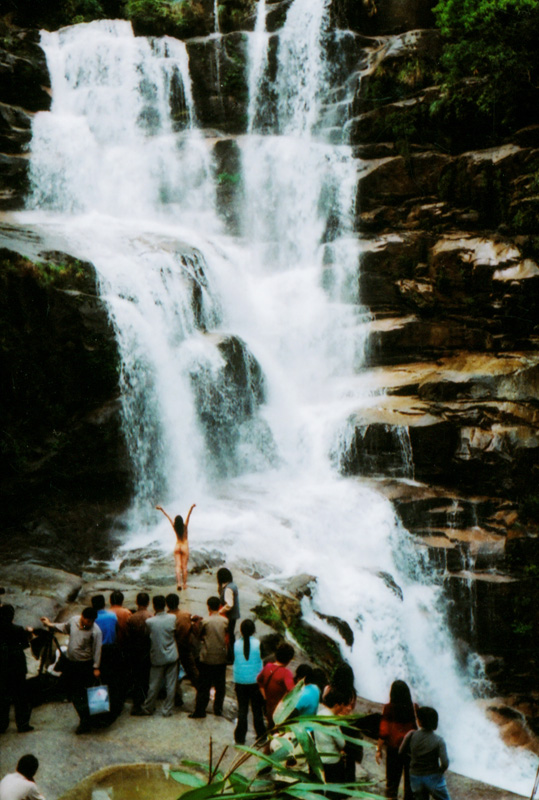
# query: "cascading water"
(240, 358)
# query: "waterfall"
(241, 357)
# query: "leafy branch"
(284, 763)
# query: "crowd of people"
(144, 654)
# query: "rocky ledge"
(66, 761)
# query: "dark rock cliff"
(65, 470)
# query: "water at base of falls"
(130, 187)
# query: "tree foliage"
(491, 57)
(166, 17)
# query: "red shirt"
(276, 681)
(123, 615)
(391, 731)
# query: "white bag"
(98, 699)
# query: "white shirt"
(16, 787)
(330, 747)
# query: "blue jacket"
(107, 621)
(246, 671)
(309, 700)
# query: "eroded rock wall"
(450, 273)
(66, 472)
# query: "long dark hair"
(402, 708)
(247, 628)
(179, 526)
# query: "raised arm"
(188, 517)
(160, 508)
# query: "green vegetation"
(166, 17)
(228, 178)
(233, 14)
(83, 10)
(267, 613)
(398, 79)
(490, 61)
(290, 767)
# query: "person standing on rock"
(20, 785)
(398, 718)
(276, 680)
(112, 672)
(13, 641)
(83, 659)
(181, 548)
(428, 757)
(331, 746)
(230, 605)
(163, 658)
(184, 628)
(138, 652)
(247, 665)
(213, 658)
(122, 615)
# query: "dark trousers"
(335, 773)
(249, 694)
(211, 675)
(187, 660)
(140, 676)
(13, 692)
(113, 675)
(395, 766)
(79, 675)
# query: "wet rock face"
(63, 455)
(449, 271)
(229, 394)
(24, 89)
(220, 85)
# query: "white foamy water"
(124, 176)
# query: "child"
(428, 757)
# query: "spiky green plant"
(294, 769)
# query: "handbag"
(98, 699)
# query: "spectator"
(276, 680)
(83, 659)
(138, 652)
(122, 615)
(309, 699)
(428, 757)
(184, 628)
(398, 718)
(112, 671)
(163, 658)
(331, 747)
(230, 605)
(213, 658)
(20, 785)
(247, 665)
(13, 641)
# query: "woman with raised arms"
(181, 548)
